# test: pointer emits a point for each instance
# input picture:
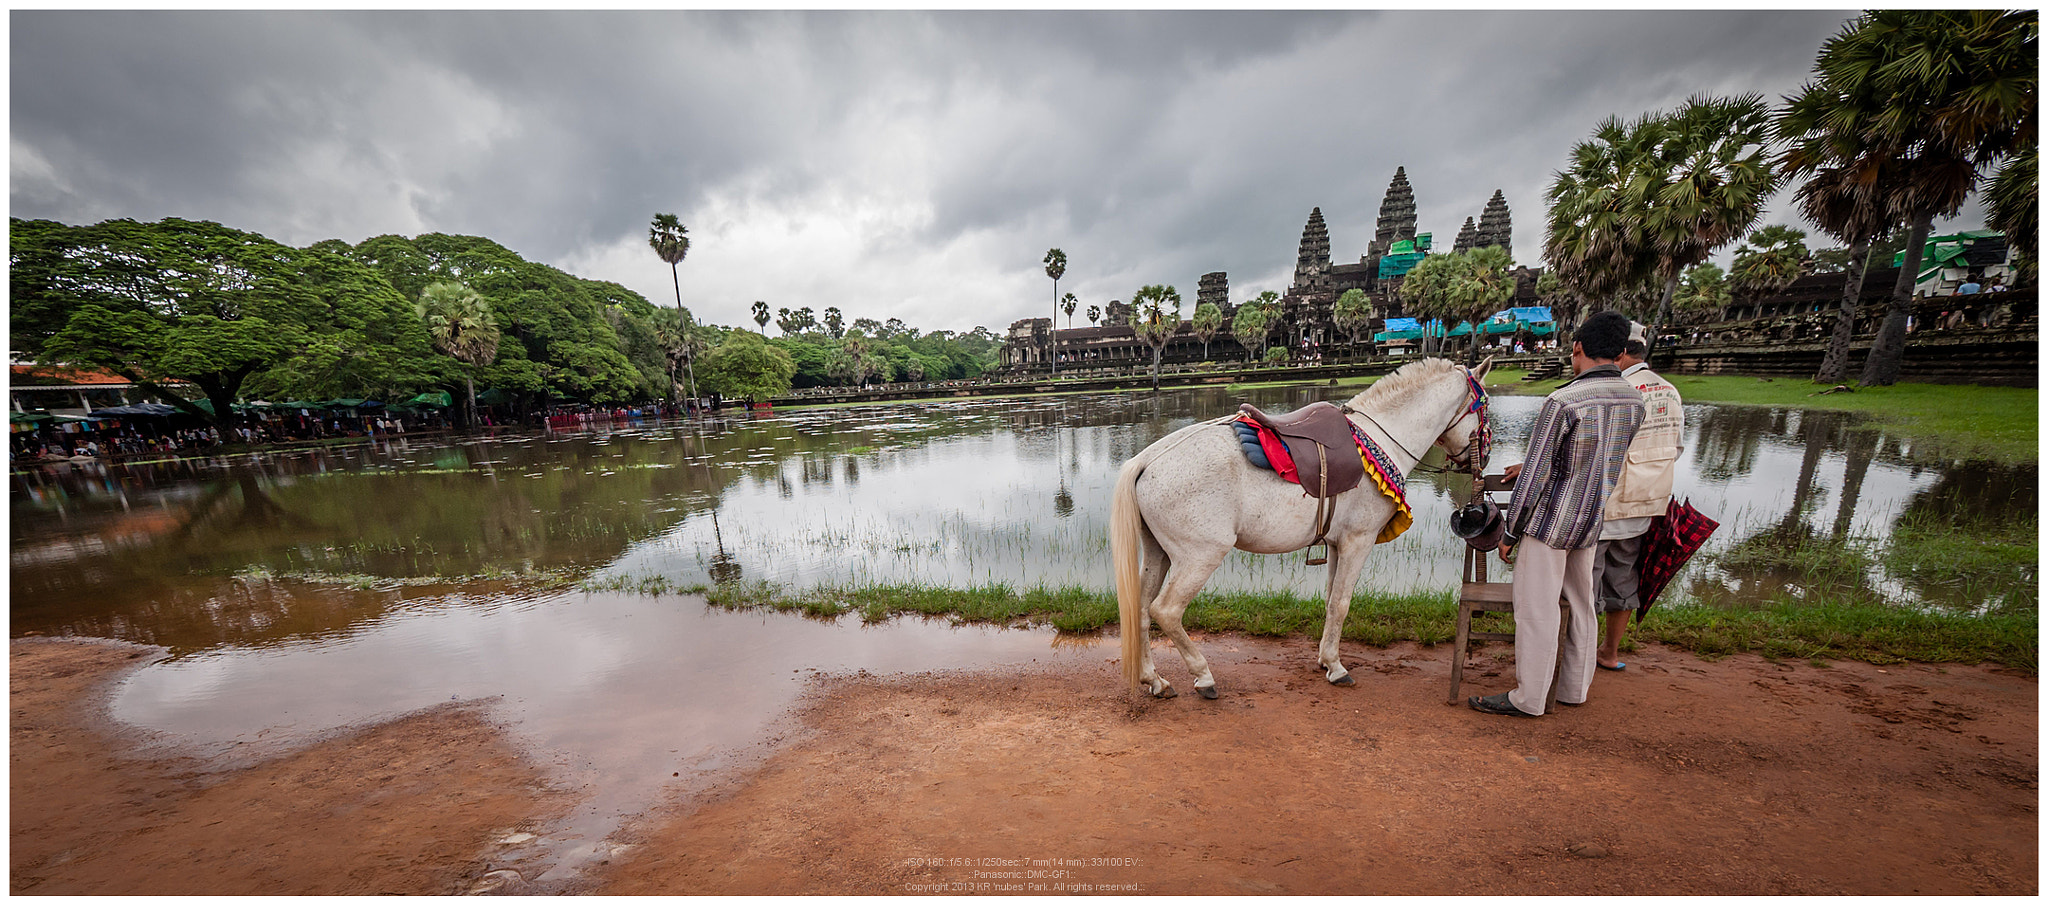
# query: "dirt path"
(1680, 776)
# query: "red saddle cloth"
(1276, 451)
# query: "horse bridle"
(1472, 458)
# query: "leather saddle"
(1318, 436)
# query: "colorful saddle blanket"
(1267, 450)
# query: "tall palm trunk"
(470, 381)
(1888, 352)
(1836, 362)
(1663, 312)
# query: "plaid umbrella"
(1672, 540)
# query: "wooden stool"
(1477, 595)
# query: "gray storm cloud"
(903, 164)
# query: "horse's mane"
(1406, 379)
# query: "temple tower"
(1215, 287)
(1495, 227)
(1397, 214)
(1312, 265)
(1466, 234)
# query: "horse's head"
(1468, 439)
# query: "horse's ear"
(1484, 367)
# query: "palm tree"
(1430, 291)
(1767, 262)
(2015, 206)
(1706, 184)
(1906, 108)
(1094, 314)
(1068, 303)
(671, 242)
(1208, 321)
(1352, 314)
(761, 316)
(461, 325)
(1253, 321)
(682, 344)
(1154, 321)
(1055, 267)
(1486, 286)
(1595, 239)
(835, 322)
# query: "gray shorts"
(1614, 574)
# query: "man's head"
(1637, 349)
(1599, 340)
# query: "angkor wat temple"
(1307, 319)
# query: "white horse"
(1186, 500)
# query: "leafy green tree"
(1905, 109)
(1432, 290)
(1254, 321)
(1055, 267)
(559, 334)
(1487, 282)
(460, 322)
(835, 323)
(745, 366)
(2015, 198)
(1564, 304)
(867, 325)
(1353, 315)
(1208, 320)
(1155, 317)
(1767, 262)
(1702, 294)
(201, 303)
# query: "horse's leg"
(1152, 565)
(1188, 576)
(1345, 562)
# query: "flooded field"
(309, 590)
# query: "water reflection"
(952, 493)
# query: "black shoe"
(1497, 705)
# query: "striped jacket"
(1576, 452)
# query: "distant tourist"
(1969, 287)
(1997, 285)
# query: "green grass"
(1811, 629)
(1997, 423)
(1821, 630)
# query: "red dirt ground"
(1679, 776)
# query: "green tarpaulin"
(437, 399)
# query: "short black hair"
(1603, 335)
(1635, 349)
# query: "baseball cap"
(1638, 333)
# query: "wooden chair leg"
(1458, 649)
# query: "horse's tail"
(1125, 525)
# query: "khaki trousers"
(1542, 573)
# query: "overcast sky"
(912, 165)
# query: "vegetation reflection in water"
(1005, 495)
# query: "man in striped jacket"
(1576, 452)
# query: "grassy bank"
(1998, 423)
(1808, 630)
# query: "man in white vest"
(1641, 495)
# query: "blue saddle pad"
(1248, 438)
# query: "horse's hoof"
(1167, 692)
(1344, 680)
(1209, 692)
